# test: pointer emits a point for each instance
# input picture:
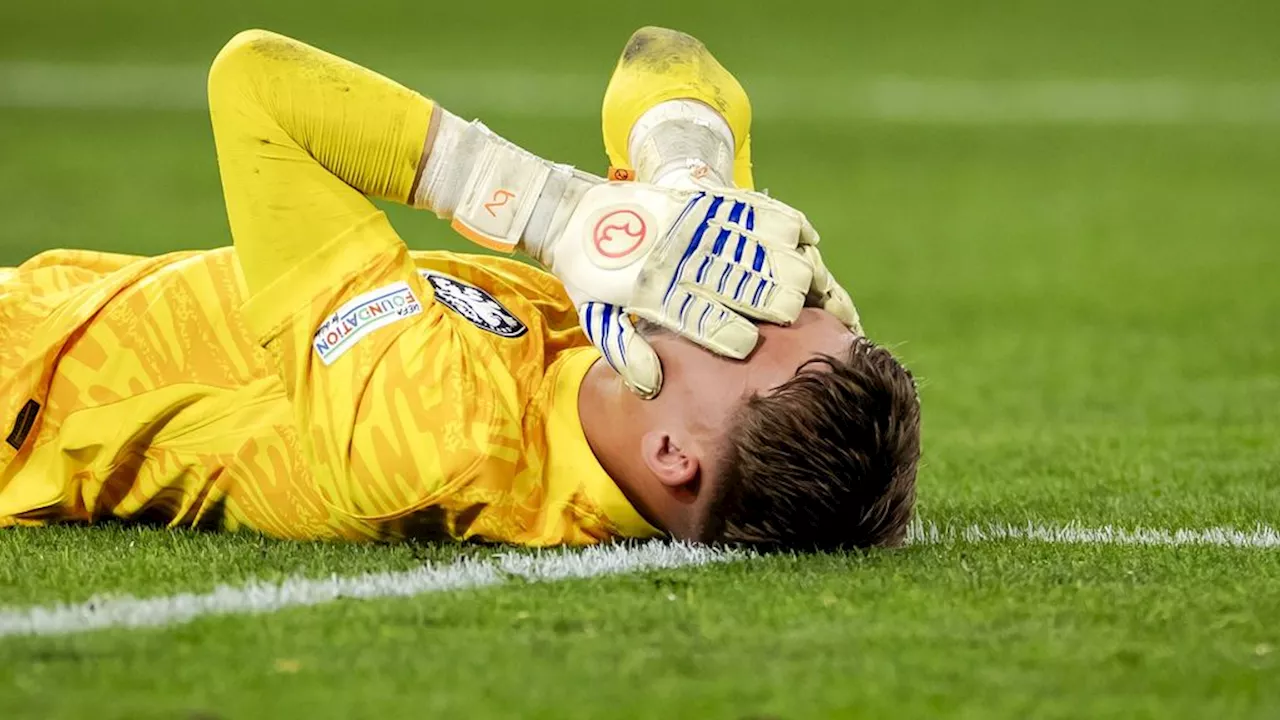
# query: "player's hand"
(675, 117)
(702, 263)
(826, 293)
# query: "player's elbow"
(238, 64)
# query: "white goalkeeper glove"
(686, 144)
(700, 262)
(680, 119)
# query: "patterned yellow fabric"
(192, 388)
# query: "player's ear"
(674, 466)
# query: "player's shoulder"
(486, 269)
(507, 280)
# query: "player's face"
(701, 390)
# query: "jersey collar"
(577, 460)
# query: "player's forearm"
(382, 139)
(362, 127)
(670, 100)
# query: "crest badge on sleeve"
(475, 305)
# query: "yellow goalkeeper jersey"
(318, 381)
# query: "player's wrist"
(496, 193)
(561, 195)
(679, 142)
(446, 164)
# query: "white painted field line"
(1260, 536)
(258, 598)
(887, 98)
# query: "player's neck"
(606, 407)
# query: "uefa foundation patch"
(361, 316)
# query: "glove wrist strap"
(561, 194)
(501, 192)
(678, 141)
(449, 162)
(496, 193)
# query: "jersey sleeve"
(394, 407)
(303, 137)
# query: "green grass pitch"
(1063, 216)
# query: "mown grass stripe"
(928, 533)
(884, 98)
(257, 598)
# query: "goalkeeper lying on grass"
(322, 381)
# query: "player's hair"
(825, 461)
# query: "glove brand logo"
(618, 236)
(619, 233)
